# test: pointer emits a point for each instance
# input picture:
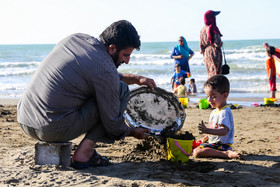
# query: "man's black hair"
(122, 34)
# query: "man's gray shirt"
(79, 68)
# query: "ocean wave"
(149, 56)
(17, 72)
(152, 62)
(232, 56)
(245, 58)
(12, 86)
(19, 64)
(247, 67)
(152, 59)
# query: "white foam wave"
(17, 71)
(149, 56)
(244, 77)
(251, 66)
(152, 62)
(150, 59)
(251, 53)
(12, 86)
(246, 56)
(19, 64)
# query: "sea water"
(246, 59)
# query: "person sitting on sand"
(178, 73)
(181, 90)
(220, 131)
(192, 87)
(68, 96)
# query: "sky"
(49, 21)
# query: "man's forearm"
(137, 79)
(131, 79)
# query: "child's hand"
(202, 128)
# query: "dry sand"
(257, 132)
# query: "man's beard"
(115, 58)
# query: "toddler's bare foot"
(235, 155)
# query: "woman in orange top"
(271, 70)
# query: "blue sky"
(48, 21)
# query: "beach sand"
(257, 132)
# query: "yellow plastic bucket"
(179, 150)
(184, 101)
(268, 101)
(203, 104)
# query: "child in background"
(220, 132)
(271, 70)
(192, 87)
(178, 73)
(181, 90)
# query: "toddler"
(220, 132)
(192, 87)
(181, 90)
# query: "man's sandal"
(94, 161)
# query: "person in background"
(271, 70)
(68, 95)
(277, 51)
(192, 87)
(178, 73)
(181, 90)
(182, 54)
(211, 43)
(220, 132)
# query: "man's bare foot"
(84, 151)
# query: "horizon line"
(141, 41)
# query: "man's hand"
(147, 81)
(139, 133)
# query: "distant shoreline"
(9, 101)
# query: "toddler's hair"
(192, 80)
(219, 83)
(182, 81)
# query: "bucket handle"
(183, 151)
